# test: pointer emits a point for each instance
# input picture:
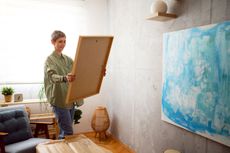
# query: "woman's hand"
(70, 77)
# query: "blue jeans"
(65, 120)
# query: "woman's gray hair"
(57, 34)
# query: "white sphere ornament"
(158, 6)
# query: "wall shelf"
(162, 16)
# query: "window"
(25, 29)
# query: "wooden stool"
(42, 126)
(171, 151)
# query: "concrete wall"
(133, 90)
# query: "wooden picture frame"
(89, 66)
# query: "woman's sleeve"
(52, 73)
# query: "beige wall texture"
(132, 88)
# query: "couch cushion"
(15, 123)
(27, 146)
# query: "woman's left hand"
(70, 77)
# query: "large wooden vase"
(100, 121)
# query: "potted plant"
(7, 92)
(44, 106)
(78, 112)
(77, 115)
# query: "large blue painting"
(196, 80)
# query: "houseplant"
(7, 92)
(77, 115)
(77, 111)
(44, 106)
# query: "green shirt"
(56, 68)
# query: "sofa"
(15, 131)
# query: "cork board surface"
(89, 66)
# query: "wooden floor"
(109, 143)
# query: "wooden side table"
(41, 125)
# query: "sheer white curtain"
(25, 29)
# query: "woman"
(56, 78)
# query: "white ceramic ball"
(158, 6)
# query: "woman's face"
(59, 44)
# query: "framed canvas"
(196, 80)
(89, 66)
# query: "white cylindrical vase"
(173, 6)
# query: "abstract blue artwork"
(196, 80)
